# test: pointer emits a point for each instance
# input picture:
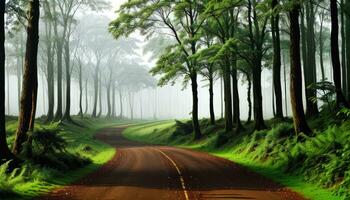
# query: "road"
(145, 172)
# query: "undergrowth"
(61, 153)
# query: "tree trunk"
(100, 96)
(68, 81)
(300, 123)
(258, 108)
(113, 100)
(195, 121)
(285, 84)
(235, 97)
(109, 107)
(121, 104)
(321, 50)
(5, 153)
(347, 48)
(30, 79)
(94, 112)
(276, 61)
(341, 101)
(81, 90)
(86, 96)
(249, 100)
(228, 97)
(310, 67)
(343, 48)
(211, 99)
(8, 89)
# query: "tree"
(299, 118)
(5, 153)
(276, 58)
(30, 79)
(341, 101)
(182, 19)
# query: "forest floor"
(317, 168)
(46, 172)
(146, 172)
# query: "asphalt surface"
(145, 172)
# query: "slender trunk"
(68, 81)
(5, 153)
(109, 107)
(321, 51)
(221, 98)
(228, 97)
(249, 94)
(235, 98)
(121, 104)
(195, 121)
(19, 81)
(211, 99)
(113, 99)
(94, 112)
(277, 61)
(343, 47)
(341, 101)
(30, 79)
(100, 96)
(81, 90)
(347, 48)
(310, 67)
(300, 123)
(59, 52)
(8, 90)
(86, 96)
(285, 84)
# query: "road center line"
(178, 171)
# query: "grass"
(317, 168)
(33, 180)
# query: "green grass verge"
(238, 150)
(32, 180)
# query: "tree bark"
(94, 112)
(100, 96)
(5, 153)
(341, 101)
(299, 118)
(81, 90)
(195, 121)
(86, 96)
(310, 67)
(211, 99)
(235, 98)
(277, 61)
(347, 47)
(228, 97)
(113, 100)
(68, 81)
(121, 104)
(343, 47)
(30, 79)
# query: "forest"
(175, 99)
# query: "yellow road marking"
(178, 171)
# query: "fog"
(149, 101)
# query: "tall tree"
(276, 58)
(5, 153)
(308, 34)
(30, 78)
(341, 101)
(299, 118)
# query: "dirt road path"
(144, 172)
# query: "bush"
(182, 129)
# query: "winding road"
(145, 172)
